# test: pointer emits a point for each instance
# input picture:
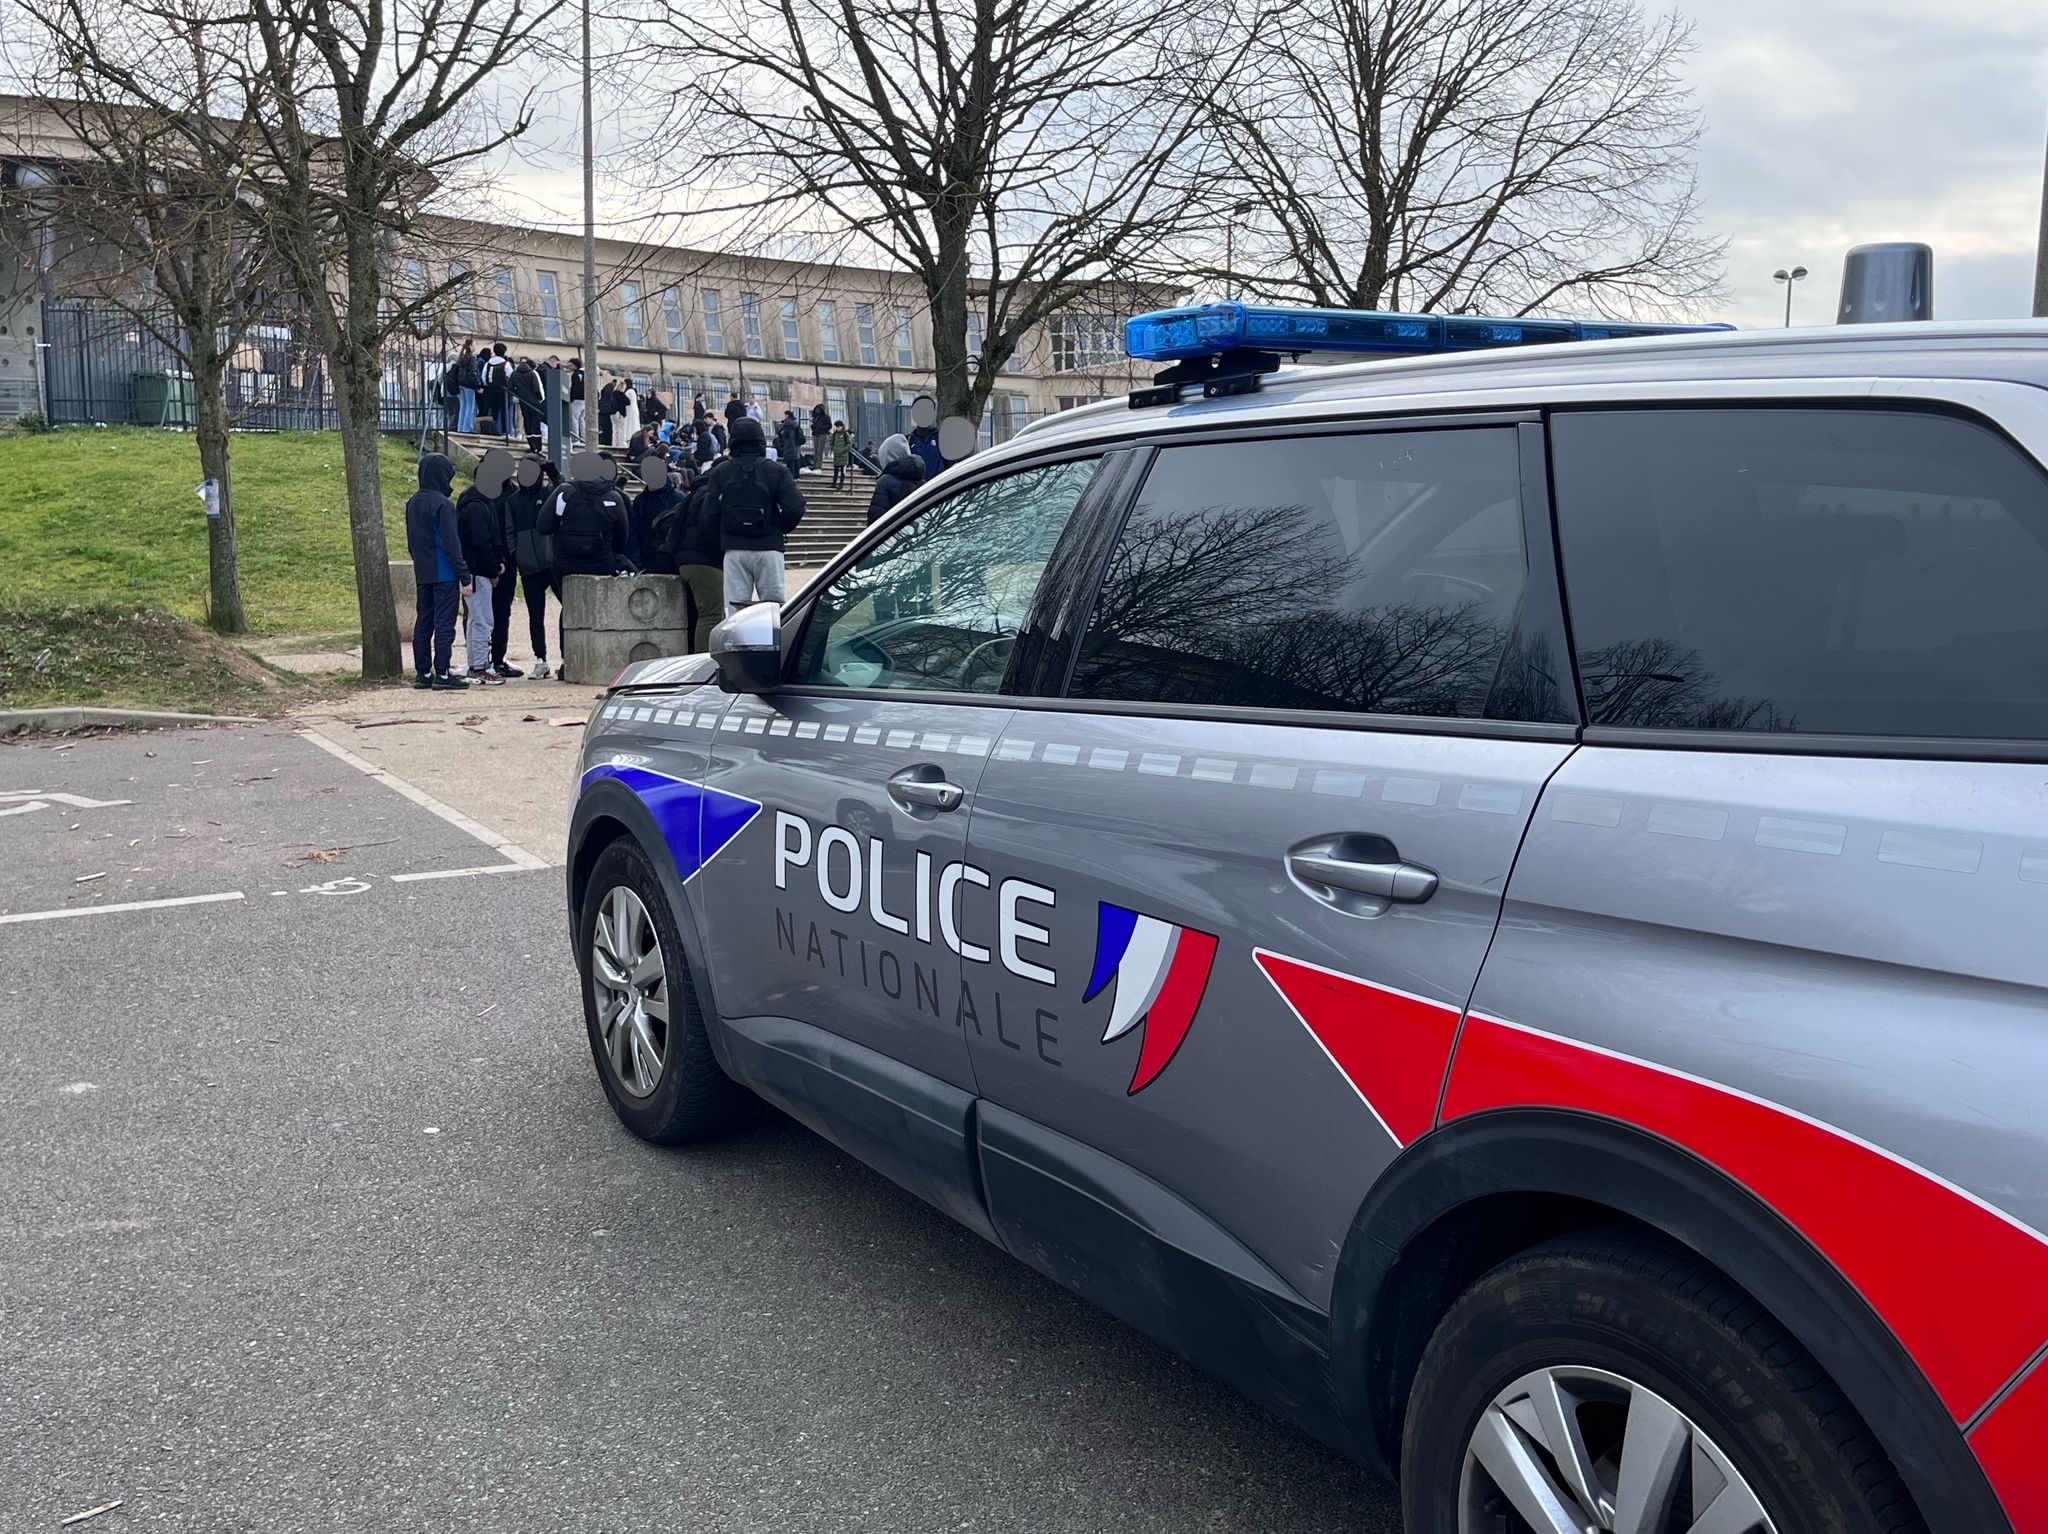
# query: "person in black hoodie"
(526, 390)
(479, 520)
(902, 472)
(536, 482)
(789, 442)
(657, 496)
(754, 504)
(439, 571)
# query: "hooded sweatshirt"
(430, 536)
(902, 472)
(480, 520)
(777, 485)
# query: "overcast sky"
(1831, 123)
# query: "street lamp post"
(1788, 278)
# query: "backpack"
(534, 551)
(585, 534)
(469, 376)
(742, 503)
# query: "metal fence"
(103, 367)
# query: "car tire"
(691, 1097)
(1591, 1321)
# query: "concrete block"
(622, 603)
(405, 596)
(595, 656)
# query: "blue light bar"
(1207, 330)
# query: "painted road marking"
(26, 801)
(516, 857)
(126, 905)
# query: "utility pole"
(2041, 251)
(593, 426)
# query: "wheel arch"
(607, 812)
(1474, 1192)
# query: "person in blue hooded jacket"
(438, 570)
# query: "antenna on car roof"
(1890, 281)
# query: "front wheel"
(640, 1009)
(1603, 1384)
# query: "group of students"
(485, 382)
(722, 531)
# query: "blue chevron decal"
(697, 822)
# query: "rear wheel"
(1607, 1385)
(640, 1009)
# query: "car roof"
(2013, 351)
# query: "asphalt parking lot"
(312, 1216)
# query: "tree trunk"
(356, 398)
(946, 292)
(224, 610)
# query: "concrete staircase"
(831, 517)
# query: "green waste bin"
(161, 399)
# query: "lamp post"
(589, 243)
(1788, 278)
(1237, 211)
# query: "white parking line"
(126, 905)
(516, 857)
(465, 873)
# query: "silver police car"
(1495, 898)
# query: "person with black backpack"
(586, 520)
(755, 504)
(497, 388)
(524, 386)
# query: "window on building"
(550, 289)
(750, 324)
(930, 609)
(906, 351)
(464, 298)
(1086, 341)
(714, 333)
(871, 396)
(635, 317)
(672, 319)
(721, 391)
(778, 389)
(1836, 572)
(1019, 411)
(864, 333)
(835, 402)
(792, 342)
(1362, 573)
(974, 332)
(508, 304)
(828, 330)
(414, 284)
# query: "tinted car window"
(1376, 573)
(937, 605)
(1833, 572)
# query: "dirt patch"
(136, 657)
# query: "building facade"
(686, 322)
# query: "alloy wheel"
(1573, 1450)
(631, 983)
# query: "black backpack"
(468, 374)
(742, 501)
(585, 533)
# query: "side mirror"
(748, 649)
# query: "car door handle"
(923, 788)
(1358, 874)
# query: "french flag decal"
(1160, 972)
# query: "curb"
(64, 720)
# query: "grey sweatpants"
(752, 575)
(480, 623)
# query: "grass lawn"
(108, 518)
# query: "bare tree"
(373, 108)
(1009, 155)
(1458, 155)
(165, 208)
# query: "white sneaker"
(540, 671)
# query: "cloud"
(1832, 124)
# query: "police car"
(1492, 895)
